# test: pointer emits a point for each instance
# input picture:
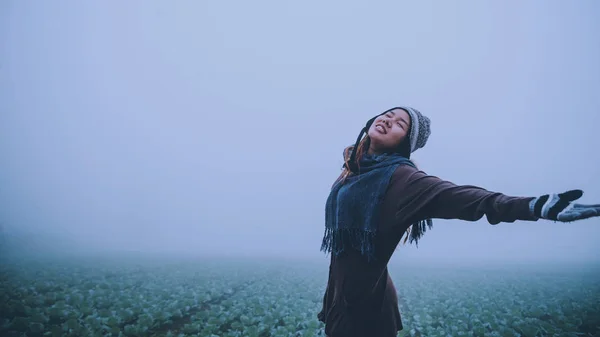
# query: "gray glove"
(560, 207)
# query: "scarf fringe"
(336, 241)
(418, 229)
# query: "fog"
(216, 128)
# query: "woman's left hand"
(560, 207)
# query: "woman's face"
(388, 131)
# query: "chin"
(375, 137)
(378, 144)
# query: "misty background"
(217, 128)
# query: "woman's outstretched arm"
(419, 196)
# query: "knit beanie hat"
(420, 129)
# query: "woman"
(379, 197)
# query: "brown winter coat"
(360, 299)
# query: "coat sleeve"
(420, 196)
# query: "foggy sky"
(218, 127)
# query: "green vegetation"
(149, 297)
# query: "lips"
(380, 128)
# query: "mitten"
(560, 207)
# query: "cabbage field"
(251, 298)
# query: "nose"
(387, 122)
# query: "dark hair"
(404, 147)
